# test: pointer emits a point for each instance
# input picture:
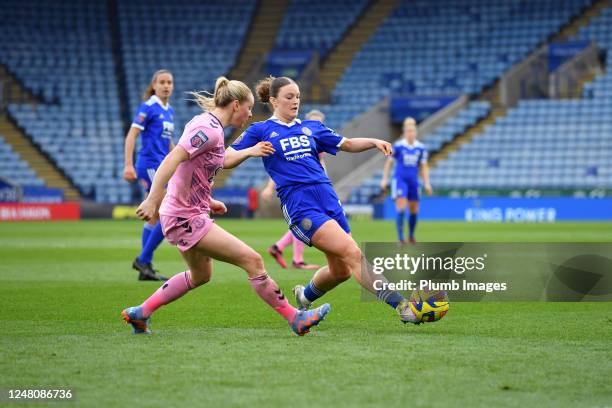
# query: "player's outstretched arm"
(361, 144)
(234, 157)
(148, 209)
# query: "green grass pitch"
(63, 285)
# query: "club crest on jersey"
(142, 117)
(307, 131)
(199, 139)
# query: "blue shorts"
(145, 177)
(310, 206)
(405, 188)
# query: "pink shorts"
(185, 232)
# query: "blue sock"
(146, 232)
(412, 221)
(156, 236)
(312, 293)
(399, 224)
(390, 297)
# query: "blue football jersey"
(408, 159)
(298, 145)
(156, 123)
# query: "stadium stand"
(446, 47)
(79, 125)
(14, 169)
(545, 144)
(457, 125)
(317, 25)
(62, 52)
(197, 41)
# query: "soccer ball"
(429, 305)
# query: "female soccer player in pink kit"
(189, 170)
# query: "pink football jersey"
(189, 189)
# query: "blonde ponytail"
(225, 92)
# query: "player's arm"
(147, 210)
(386, 171)
(268, 190)
(234, 157)
(424, 170)
(129, 172)
(361, 144)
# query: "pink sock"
(298, 251)
(269, 291)
(285, 241)
(171, 290)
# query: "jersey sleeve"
(196, 140)
(248, 138)
(142, 117)
(328, 141)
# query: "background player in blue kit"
(411, 158)
(155, 121)
(309, 203)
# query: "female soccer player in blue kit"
(309, 203)
(411, 158)
(155, 121)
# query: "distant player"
(411, 158)
(189, 171)
(155, 121)
(309, 203)
(288, 239)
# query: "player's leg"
(152, 235)
(220, 244)
(413, 207)
(398, 192)
(344, 259)
(342, 255)
(298, 256)
(276, 250)
(199, 272)
(156, 235)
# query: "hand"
(428, 189)
(147, 211)
(129, 173)
(384, 147)
(384, 184)
(262, 149)
(217, 207)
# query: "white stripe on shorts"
(300, 235)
